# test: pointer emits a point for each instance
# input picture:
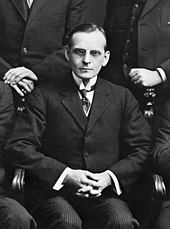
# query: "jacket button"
(86, 154)
(25, 50)
(125, 65)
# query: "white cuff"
(116, 182)
(59, 183)
(162, 73)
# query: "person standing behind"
(12, 214)
(138, 37)
(68, 139)
(161, 162)
(32, 34)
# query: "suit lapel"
(100, 103)
(72, 102)
(21, 8)
(148, 6)
(37, 5)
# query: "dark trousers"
(72, 212)
(14, 216)
(163, 221)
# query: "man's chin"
(85, 76)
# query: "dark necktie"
(26, 8)
(84, 100)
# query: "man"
(12, 214)
(32, 34)
(161, 158)
(138, 38)
(68, 141)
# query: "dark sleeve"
(111, 6)
(4, 67)
(161, 150)
(7, 113)
(136, 138)
(166, 67)
(56, 64)
(23, 147)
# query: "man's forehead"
(90, 39)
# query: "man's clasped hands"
(87, 184)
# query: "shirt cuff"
(116, 182)
(162, 73)
(59, 183)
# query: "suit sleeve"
(7, 113)
(108, 20)
(135, 146)
(161, 150)
(56, 63)
(24, 144)
(166, 67)
(4, 67)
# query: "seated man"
(68, 141)
(12, 214)
(161, 153)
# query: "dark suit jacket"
(161, 151)
(153, 34)
(7, 119)
(54, 133)
(37, 42)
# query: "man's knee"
(69, 224)
(13, 215)
(122, 223)
(64, 223)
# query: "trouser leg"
(163, 221)
(14, 216)
(57, 213)
(109, 213)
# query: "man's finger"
(133, 72)
(29, 83)
(18, 90)
(12, 73)
(135, 78)
(83, 195)
(85, 189)
(92, 176)
(90, 182)
(24, 86)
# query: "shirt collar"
(80, 83)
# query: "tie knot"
(83, 93)
(84, 90)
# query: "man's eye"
(80, 52)
(95, 53)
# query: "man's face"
(87, 54)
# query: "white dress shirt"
(30, 3)
(162, 73)
(89, 94)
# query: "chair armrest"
(158, 193)
(19, 176)
(159, 189)
(18, 180)
(149, 97)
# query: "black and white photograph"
(84, 114)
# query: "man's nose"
(87, 58)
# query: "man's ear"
(67, 52)
(106, 58)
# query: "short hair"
(85, 27)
